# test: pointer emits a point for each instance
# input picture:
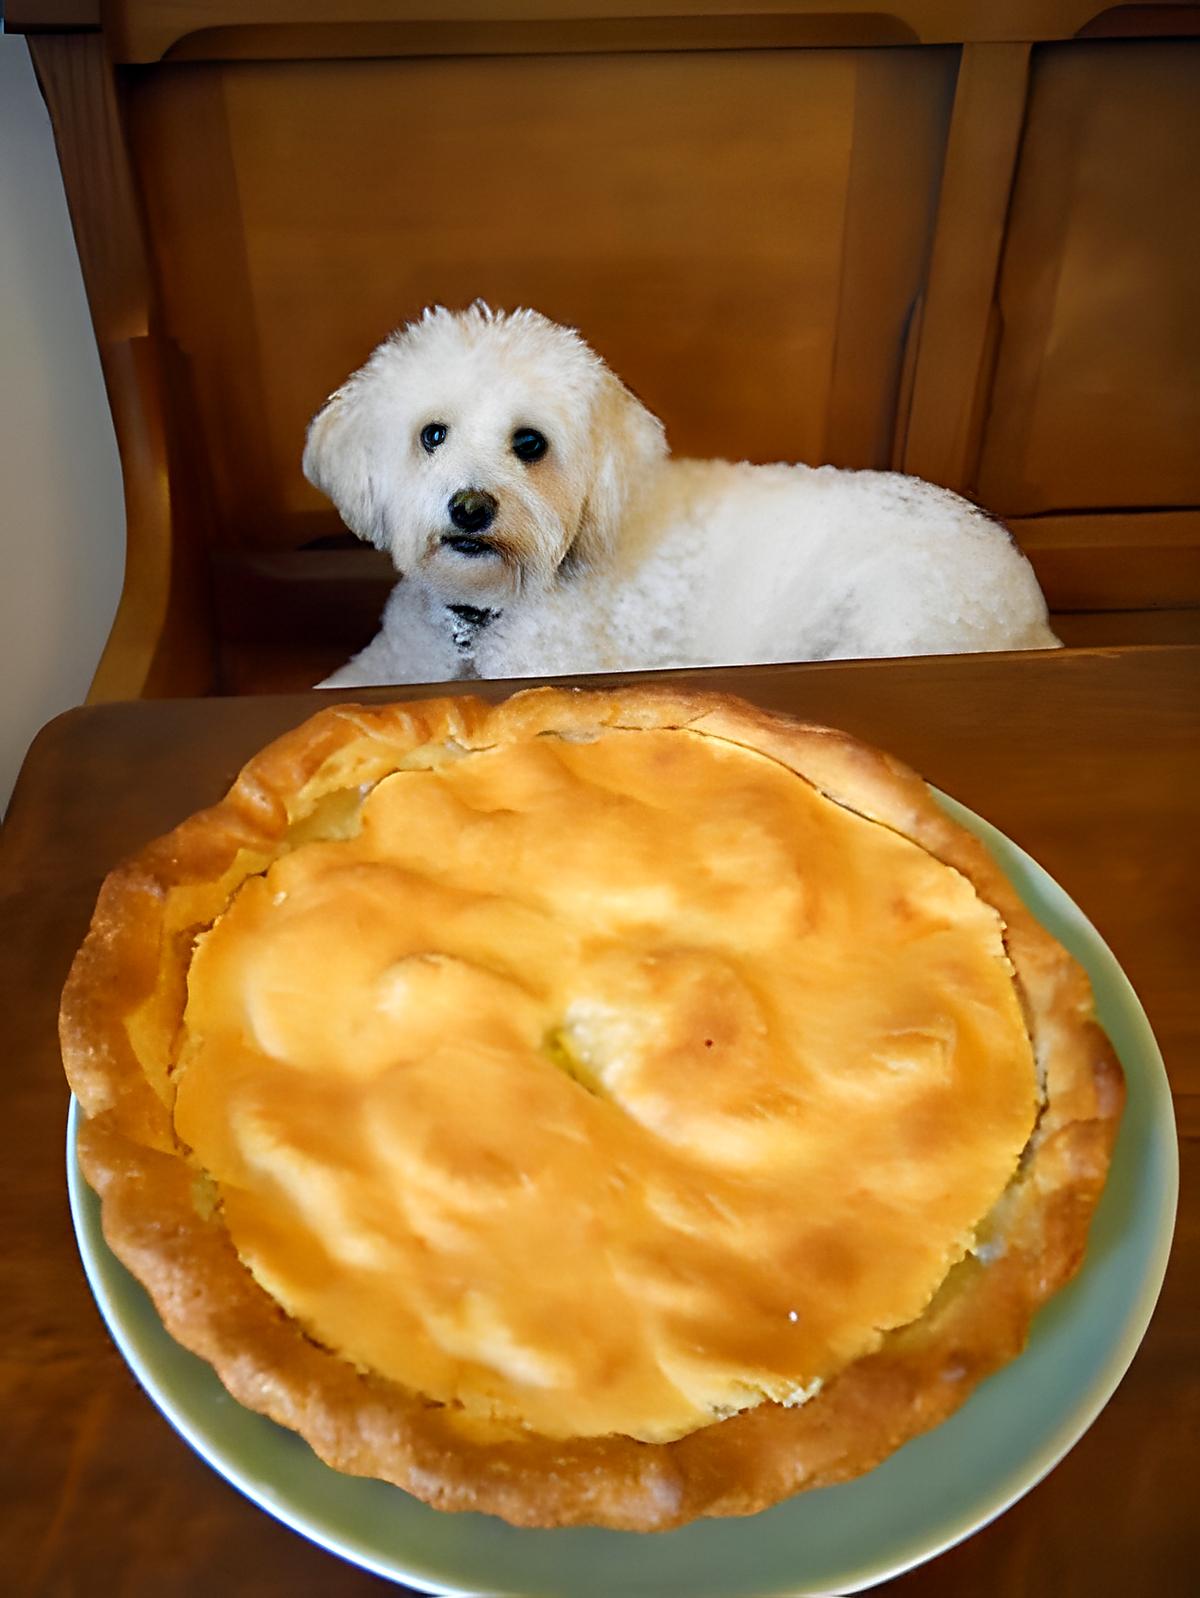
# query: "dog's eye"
(528, 444)
(433, 434)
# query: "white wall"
(62, 520)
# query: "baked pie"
(606, 1108)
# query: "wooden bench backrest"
(914, 239)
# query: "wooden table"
(1089, 759)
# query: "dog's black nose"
(473, 509)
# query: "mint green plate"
(931, 1494)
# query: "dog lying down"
(540, 525)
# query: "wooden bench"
(926, 236)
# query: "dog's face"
(483, 452)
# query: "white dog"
(540, 526)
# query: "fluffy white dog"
(539, 525)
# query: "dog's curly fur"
(605, 553)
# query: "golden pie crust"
(1004, 1136)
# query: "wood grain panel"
(890, 203)
(1096, 402)
(181, 147)
(713, 240)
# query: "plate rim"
(85, 1219)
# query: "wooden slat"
(262, 32)
(1114, 560)
(823, 29)
(76, 80)
(159, 641)
(146, 30)
(565, 35)
(1102, 629)
(952, 357)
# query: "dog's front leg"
(413, 644)
(368, 667)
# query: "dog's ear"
(629, 442)
(337, 460)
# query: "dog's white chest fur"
(602, 553)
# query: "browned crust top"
(135, 959)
